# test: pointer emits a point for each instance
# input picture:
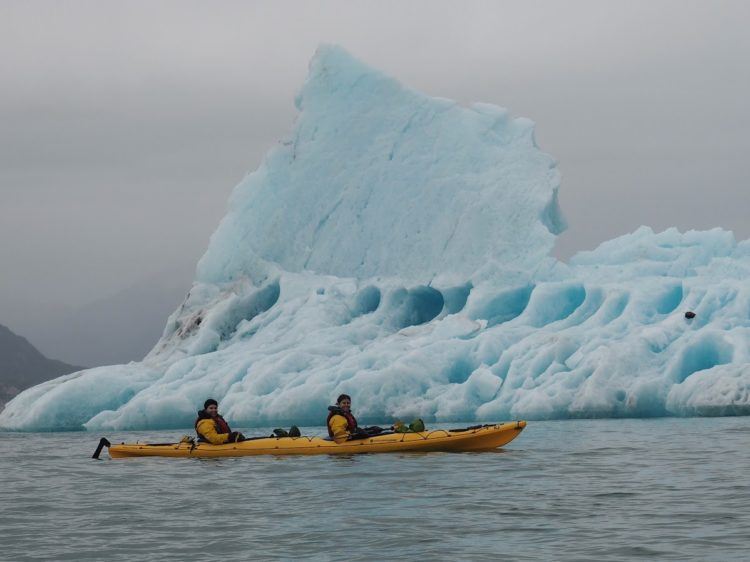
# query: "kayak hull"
(472, 439)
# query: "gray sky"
(124, 126)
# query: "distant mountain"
(116, 329)
(22, 365)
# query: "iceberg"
(396, 247)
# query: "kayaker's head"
(344, 402)
(211, 407)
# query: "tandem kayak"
(476, 438)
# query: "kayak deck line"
(476, 438)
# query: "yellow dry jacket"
(339, 427)
(207, 428)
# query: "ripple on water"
(670, 489)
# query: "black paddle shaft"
(103, 442)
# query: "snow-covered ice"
(396, 247)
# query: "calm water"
(668, 489)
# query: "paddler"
(212, 428)
(341, 422)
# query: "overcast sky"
(125, 125)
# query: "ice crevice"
(396, 247)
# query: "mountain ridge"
(22, 365)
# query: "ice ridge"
(379, 180)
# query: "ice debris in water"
(396, 247)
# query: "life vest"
(221, 425)
(351, 421)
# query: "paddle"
(103, 442)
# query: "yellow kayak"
(477, 438)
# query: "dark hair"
(343, 397)
(208, 402)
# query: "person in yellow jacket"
(341, 422)
(213, 428)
